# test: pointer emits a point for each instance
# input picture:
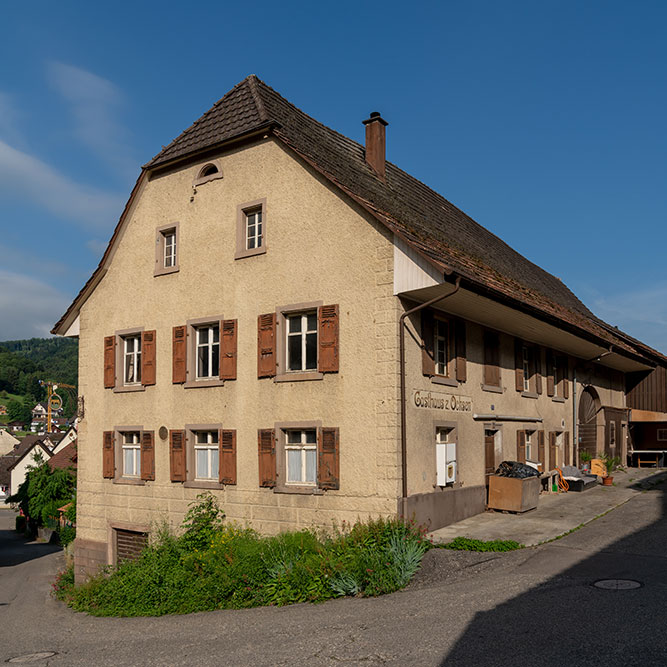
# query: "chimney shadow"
(567, 619)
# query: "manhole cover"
(617, 584)
(33, 657)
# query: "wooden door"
(489, 453)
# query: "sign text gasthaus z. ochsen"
(436, 400)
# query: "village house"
(287, 319)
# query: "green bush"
(66, 534)
(468, 544)
(215, 565)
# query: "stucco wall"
(19, 472)
(319, 249)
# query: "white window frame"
(166, 254)
(169, 256)
(529, 445)
(441, 362)
(133, 445)
(210, 445)
(135, 356)
(525, 356)
(210, 344)
(303, 334)
(254, 215)
(303, 446)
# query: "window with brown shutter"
(428, 342)
(148, 357)
(227, 456)
(491, 359)
(537, 368)
(109, 362)
(540, 450)
(108, 455)
(566, 448)
(177, 458)
(521, 446)
(178, 350)
(147, 456)
(565, 377)
(552, 373)
(460, 338)
(267, 457)
(266, 345)
(518, 365)
(129, 544)
(328, 475)
(228, 349)
(328, 339)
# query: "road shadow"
(16, 548)
(567, 620)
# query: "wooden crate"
(513, 495)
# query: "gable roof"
(65, 458)
(441, 233)
(25, 447)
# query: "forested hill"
(24, 362)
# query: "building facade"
(290, 322)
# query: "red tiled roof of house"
(65, 458)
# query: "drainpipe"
(401, 326)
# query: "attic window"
(208, 172)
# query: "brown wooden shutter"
(328, 448)
(179, 354)
(518, 365)
(228, 349)
(129, 544)
(328, 339)
(147, 357)
(491, 359)
(108, 456)
(147, 455)
(521, 446)
(227, 440)
(266, 345)
(540, 450)
(460, 336)
(566, 448)
(536, 354)
(551, 381)
(566, 380)
(428, 342)
(553, 454)
(177, 456)
(267, 457)
(109, 362)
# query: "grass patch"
(468, 544)
(215, 565)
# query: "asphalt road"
(536, 606)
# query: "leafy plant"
(469, 544)
(67, 534)
(201, 522)
(610, 462)
(584, 456)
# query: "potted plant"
(585, 460)
(611, 463)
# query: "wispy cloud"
(9, 119)
(15, 259)
(642, 313)
(95, 103)
(29, 307)
(38, 183)
(96, 246)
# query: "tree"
(18, 410)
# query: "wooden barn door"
(588, 410)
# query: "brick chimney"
(375, 143)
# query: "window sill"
(492, 388)
(203, 383)
(298, 377)
(196, 484)
(299, 490)
(129, 481)
(242, 254)
(165, 271)
(529, 394)
(122, 389)
(441, 379)
(558, 399)
(206, 179)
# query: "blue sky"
(544, 121)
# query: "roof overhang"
(647, 416)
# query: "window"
(445, 455)
(662, 434)
(612, 434)
(209, 172)
(301, 457)
(301, 350)
(207, 453)
(441, 348)
(131, 454)
(208, 351)
(527, 373)
(131, 360)
(251, 229)
(491, 360)
(530, 442)
(166, 249)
